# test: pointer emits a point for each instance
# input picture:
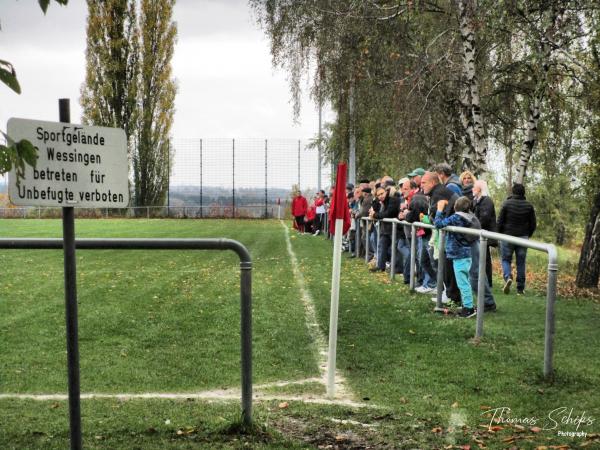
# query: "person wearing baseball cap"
(416, 175)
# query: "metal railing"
(483, 235)
(153, 244)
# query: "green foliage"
(8, 76)
(129, 84)
(157, 92)
(17, 154)
(44, 4)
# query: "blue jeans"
(403, 262)
(461, 273)
(429, 273)
(520, 257)
(474, 275)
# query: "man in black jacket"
(517, 218)
(390, 205)
(436, 192)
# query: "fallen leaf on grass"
(283, 405)
(436, 430)
(412, 331)
(55, 405)
(455, 405)
(535, 429)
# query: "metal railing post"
(481, 282)
(357, 237)
(413, 255)
(393, 257)
(367, 247)
(441, 267)
(550, 301)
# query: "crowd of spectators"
(441, 198)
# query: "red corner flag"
(339, 202)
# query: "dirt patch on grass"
(328, 434)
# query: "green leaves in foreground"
(8, 76)
(17, 154)
(44, 4)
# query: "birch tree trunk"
(470, 97)
(531, 139)
(538, 96)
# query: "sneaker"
(445, 300)
(520, 292)
(489, 308)
(467, 313)
(317, 233)
(426, 290)
(506, 288)
(419, 289)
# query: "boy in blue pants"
(458, 250)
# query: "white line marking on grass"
(343, 395)
(314, 330)
(219, 395)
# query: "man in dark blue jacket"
(517, 218)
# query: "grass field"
(167, 321)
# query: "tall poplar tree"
(109, 94)
(157, 88)
(129, 85)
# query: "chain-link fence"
(220, 178)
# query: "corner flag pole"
(339, 203)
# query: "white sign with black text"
(77, 165)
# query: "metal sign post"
(71, 306)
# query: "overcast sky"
(226, 84)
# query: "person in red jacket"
(299, 208)
(311, 213)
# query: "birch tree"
(542, 57)
(471, 112)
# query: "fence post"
(413, 255)
(441, 265)
(266, 181)
(550, 300)
(299, 164)
(481, 281)
(393, 257)
(233, 177)
(357, 237)
(366, 241)
(201, 199)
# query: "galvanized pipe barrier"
(357, 237)
(393, 257)
(481, 281)
(177, 244)
(367, 246)
(484, 235)
(413, 257)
